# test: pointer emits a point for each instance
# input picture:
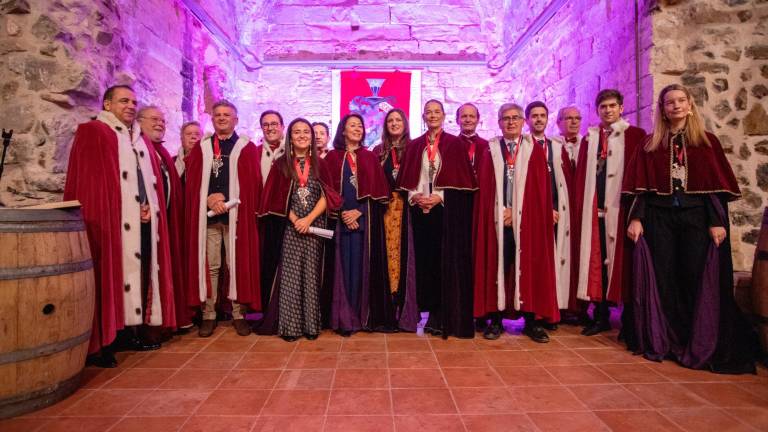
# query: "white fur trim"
(521, 172)
(563, 239)
(614, 176)
(268, 158)
(234, 193)
(130, 150)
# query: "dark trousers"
(678, 239)
(602, 312)
(427, 244)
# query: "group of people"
(470, 230)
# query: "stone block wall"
(720, 50)
(57, 58)
(586, 46)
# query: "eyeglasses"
(507, 119)
(273, 125)
(569, 118)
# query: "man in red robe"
(222, 171)
(116, 177)
(152, 122)
(559, 173)
(569, 125)
(271, 227)
(467, 117)
(604, 264)
(514, 266)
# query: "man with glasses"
(514, 242)
(569, 124)
(221, 171)
(271, 148)
(152, 123)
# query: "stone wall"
(586, 46)
(57, 58)
(720, 50)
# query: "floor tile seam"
(700, 399)
(453, 398)
(145, 395)
(720, 409)
(576, 397)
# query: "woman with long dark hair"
(438, 178)
(682, 183)
(397, 224)
(360, 296)
(296, 190)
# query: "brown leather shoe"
(206, 328)
(242, 327)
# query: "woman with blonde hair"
(682, 183)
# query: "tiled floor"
(402, 382)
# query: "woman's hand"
(635, 230)
(302, 225)
(430, 201)
(349, 216)
(718, 235)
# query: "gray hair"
(510, 106)
(188, 124)
(143, 110)
(224, 103)
(562, 110)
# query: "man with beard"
(152, 123)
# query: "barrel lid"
(39, 215)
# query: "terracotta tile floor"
(401, 382)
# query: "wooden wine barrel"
(46, 306)
(760, 283)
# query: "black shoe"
(148, 346)
(433, 331)
(289, 338)
(344, 333)
(492, 332)
(597, 327)
(106, 359)
(549, 326)
(536, 333)
(311, 336)
(481, 324)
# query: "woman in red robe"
(682, 182)
(438, 178)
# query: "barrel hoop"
(37, 399)
(762, 255)
(39, 215)
(53, 226)
(10, 273)
(44, 350)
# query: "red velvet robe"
(93, 178)
(479, 144)
(708, 171)
(372, 184)
(626, 138)
(276, 197)
(532, 287)
(455, 171)
(244, 273)
(176, 231)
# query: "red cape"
(93, 178)
(536, 288)
(275, 199)
(455, 170)
(620, 283)
(708, 171)
(479, 144)
(246, 266)
(371, 181)
(176, 232)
